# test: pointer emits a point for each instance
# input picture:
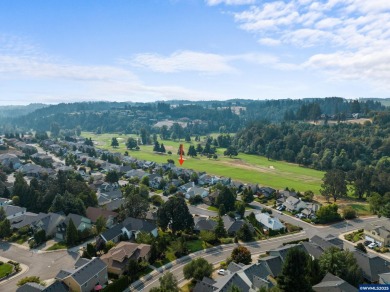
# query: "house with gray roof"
(202, 223)
(86, 277)
(269, 222)
(10, 160)
(248, 278)
(332, 283)
(48, 223)
(294, 204)
(82, 223)
(57, 286)
(371, 265)
(12, 211)
(232, 225)
(196, 191)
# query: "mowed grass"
(246, 168)
(5, 269)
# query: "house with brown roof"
(94, 213)
(118, 257)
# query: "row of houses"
(263, 274)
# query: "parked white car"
(221, 272)
(372, 245)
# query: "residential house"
(82, 223)
(232, 225)
(247, 278)
(310, 210)
(25, 220)
(196, 191)
(211, 199)
(266, 191)
(184, 188)
(332, 283)
(48, 223)
(93, 214)
(378, 233)
(4, 202)
(12, 211)
(371, 265)
(283, 250)
(34, 170)
(113, 205)
(42, 158)
(294, 204)
(133, 226)
(384, 278)
(139, 173)
(10, 160)
(129, 227)
(268, 222)
(118, 257)
(202, 223)
(86, 277)
(57, 286)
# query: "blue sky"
(144, 50)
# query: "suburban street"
(45, 265)
(219, 254)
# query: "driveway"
(45, 265)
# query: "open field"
(244, 167)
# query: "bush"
(266, 210)
(349, 212)
(226, 240)
(1, 263)
(31, 279)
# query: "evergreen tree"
(294, 275)
(220, 230)
(191, 151)
(114, 142)
(247, 195)
(100, 224)
(72, 236)
(162, 148)
(241, 255)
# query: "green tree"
(131, 143)
(40, 236)
(114, 142)
(375, 201)
(349, 212)
(72, 235)
(100, 224)
(247, 195)
(230, 151)
(145, 180)
(334, 184)
(240, 208)
(208, 236)
(294, 275)
(341, 263)
(221, 210)
(226, 198)
(245, 234)
(328, 214)
(2, 214)
(109, 245)
(5, 228)
(168, 283)
(136, 206)
(174, 214)
(112, 176)
(191, 151)
(197, 269)
(241, 255)
(220, 230)
(360, 246)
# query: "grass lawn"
(361, 209)
(212, 208)
(187, 287)
(5, 269)
(58, 245)
(160, 263)
(196, 245)
(246, 168)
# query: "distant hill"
(384, 101)
(19, 110)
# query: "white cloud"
(355, 33)
(269, 41)
(184, 61)
(229, 2)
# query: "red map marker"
(181, 160)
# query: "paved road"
(218, 255)
(44, 265)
